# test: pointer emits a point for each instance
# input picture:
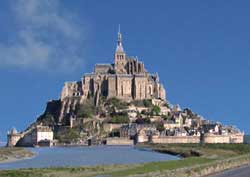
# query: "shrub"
(116, 103)
(86, 110)
(121, 118)
(138, 103)
(46, 119)
(68, 135)
(155, 110)
(160, 126)
(147, 103)
(143, 103)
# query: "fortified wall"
(208, 138)
(176, 139)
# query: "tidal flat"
(11, 154)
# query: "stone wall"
(176, 139)
(210, 138)
(12, 139)
(237, 138)
(231, 138)
(102, 68)
(112, 92)
(119, 141)
(109, 127)
(124, 87)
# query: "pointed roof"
(119, 47)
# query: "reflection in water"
(82, 156)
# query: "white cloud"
(48, 37)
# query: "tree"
(156, 110)
(143, 103)
(86, 110)
(160, 126)
(68, 135)
(120, 118)
(115, 103)
(147, 103)
(47, 119)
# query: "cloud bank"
(47, 37)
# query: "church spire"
(119, 47)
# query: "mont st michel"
(119, 104)
(166, 95)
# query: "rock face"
(126, 79)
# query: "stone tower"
(120, 56)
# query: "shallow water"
(2, 144)
(84, 156)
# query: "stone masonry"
(126, 79)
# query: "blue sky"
(201, 50)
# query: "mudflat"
(10, 154)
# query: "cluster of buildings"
(126, 79)
(37, 135)
(178, 126)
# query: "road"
(237, 172)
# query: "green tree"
(86, 110)
(116, 103)
(46, 119)
(120, 118)
(68, 135)
(155, 110)
(160, 126)
(147, 103)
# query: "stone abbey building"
(126, 79)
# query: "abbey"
(119, 104)
(126, 79)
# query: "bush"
(46, 119)
(147, 103)
(86, 110)
(121, 118)
(160, 126)
(138, 103)
(116, 103)
(68, 136)
(155, 110)
(143, 103)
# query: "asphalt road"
(237, 172)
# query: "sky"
(200, 49)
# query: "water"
(85, 156)
(247, 139)
(2, 144)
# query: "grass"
(200, 160)
(8, 154)
(161, 166)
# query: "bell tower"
(120, 56)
